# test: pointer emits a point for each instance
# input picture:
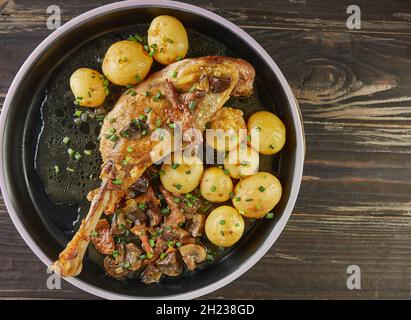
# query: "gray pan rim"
(295, 112)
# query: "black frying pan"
(37, 113)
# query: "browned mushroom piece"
(192, 255)
(154, 214)
(114, 266)
(133, 254)
(197, 225)
(119, 223)
(101, 237)
(171, 264)
(139, 187)
(151, 274)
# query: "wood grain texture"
(354, 89)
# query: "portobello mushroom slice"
(151, 274)
(192, 254)
(171, 264)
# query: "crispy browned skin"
(136, 116)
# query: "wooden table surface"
(354, 89)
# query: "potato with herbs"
(167, 39)
(224, 226)
(256, 195)
(229, 129)
(216, 185)
(270, 130)
(126, 63)
(183, 175)
(242, 161)
(88, 87)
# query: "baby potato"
(126, 62)
(229, 129)
(215, 185)
(242, 161)
(168, 38)
(256, 195)
(224, 226)
(271, 131)
(88, 88)
(183, 175)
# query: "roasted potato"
(229, 129)
(167, 39)
(216, 185)
(224, 226)
(270, 130)
(242, 161)
(88, 87)
(126, 63)
(256, 195)
(183, 175)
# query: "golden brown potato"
(168, 39)
(216, 186)
(229, 129)
(183, 175)
(242, 161)
(256, 195)
(88, 87)
(271, 132)
(126, 63)
(224, 226)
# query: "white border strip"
(300, 148)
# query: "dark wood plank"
(353, 88)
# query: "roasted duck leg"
(190, 92)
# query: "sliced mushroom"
(113, 266)
(197, 224)
(101, 237)
(151, 274)
(171, 265)
(193, 254)
(154, 214)
(139, 187)
(133, 254)
(119, 223)
(176, 216)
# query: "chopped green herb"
(87, 152)
(192, 89)
(177, 200)
(78, 113)
(222, 233)
(143, 257)
(237, 199)
(138, 78)
(261, 188)
(66, 140)
(149, 255)
(210, 257)
(152, 242)
(158, 123)
(77, 155)
(56, 169)
(71, 152)
(178, 186)
(179, 58)
(248, 138)
(70, 169)
(165, 211)
(178, 244)
(271, 146)
(269, 215)
(163, 255)
(175, 166)
(232, 194)
(188, 172)
(174, 74)
(157, 96)
(114, 253)
(222, 222)
(94, 234)
(117, 182)
(213, 189)
(192, 105)
(227, 172)
(130, 149)
(249, 200)
(172, 125)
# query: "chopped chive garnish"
(222, 222)
(269, 215)
(149, 255)
(94, 234)
(133, 93)
(163, 255)
(261, 188)
(174, 74)
(87, 152)
(143, 257)
(157, 96)
(192, 89)
(179, 58)
(210, 257)
(178, 186)
(130, 149)
(177, 200)
(231, 194)
(175, 166)
(114, 253)
(237, 224)
(248, 138)
(78, 113)
(226, 172)
(56, 169)
(172, 125)
(192, 105)
(178, 244)
(117, 182)
(70, 169)
(271, 146)
(213, 188)
(237, 199)
(161, 172)
(222, 233)
(249, 200)
(165, 211)
(71, 152)
(138, 78)
(66, 140)
(188, 172)
(77, 155)
(152, 242)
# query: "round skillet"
(45, 220)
